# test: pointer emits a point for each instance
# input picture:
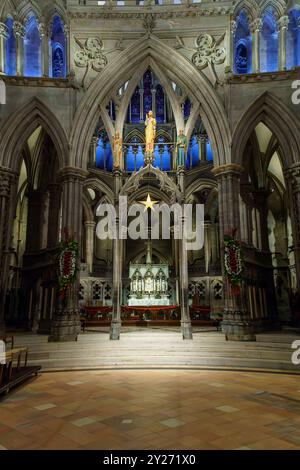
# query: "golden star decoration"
(149, 203)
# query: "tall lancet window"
(32, 49)
(58, 49)
(242, 45)
(10, 68)
(293, 40)
(269, 43)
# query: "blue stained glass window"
(58, 46)
(130, 159)
(242, 45)
(192, 153)
(293, 40)
(209, 152)
(135, 106)
(187, 109)
(58, 65)
(100, 154)
(11, 66)
(32, 49)
(147, 82)
(269, 43)
(160, 104)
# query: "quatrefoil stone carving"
(90, 56)
(209, 52)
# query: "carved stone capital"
(3, 30)
(293, 175)
(19, 30)
(72, 174)
(256, 25)
(7, 178)
(283, 22)
(233, 27)
(42, 30)
(233, 169)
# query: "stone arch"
(28, 9)
(158, 70)
(166, 183)
(212, 110)
(278, 6)
(98, 185)
(270, 110)
(19, 127)
(249, 6)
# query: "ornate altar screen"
(148, 284)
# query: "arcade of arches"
(79, 76)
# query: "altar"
(149, 285)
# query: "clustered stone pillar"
(255, 27)
(186, 326)
(53, 218)
(115, 327)
(7, 180)
(44, 35)
(3, 38)
(283, 23)
(19, 32)
(236, 323)
(90, 228)
(292, 175)
(66, 323)
(233, 28)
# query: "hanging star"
(148, 203)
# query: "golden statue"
(117, 150)
(150, 124)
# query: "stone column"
(66, 324)
(90, 228)
(44, 35)
(186, 326)
(261, 197)
(3, 38)
(19, 32)
(203, 148)
(7, 194)
(115, 327)
(255, 27)
(237, 323)
(292, 175)
(153, 93)
(207, 244)
(141, 104)
(53, 218)
(35, 205)
(283, 24)
(67, 46)
(233, 27)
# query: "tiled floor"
(153, 409)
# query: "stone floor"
(153, 409)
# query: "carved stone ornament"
(90, 56)
(209, 52)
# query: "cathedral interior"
(79, 82)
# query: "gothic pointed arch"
(212, 110)
(270, 110)
(20, 126)
(250, 7)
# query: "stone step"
(161, 348)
